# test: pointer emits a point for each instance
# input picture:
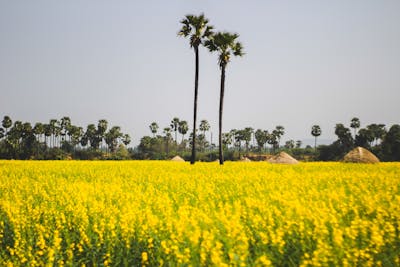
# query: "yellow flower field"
(156, 213)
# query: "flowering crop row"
(155, 213)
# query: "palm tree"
(225, 44)
(174, 127)
(112, 137)
(65, 126)
(298, 143)
(272, 139)
(261, 138)
(47, 133)
(6, 123)
(355, 124)
(54, 131)
(38, 130)
(247, 134)
(101, 131)
(183, 128)
(196, 29)
(167, 132)
(91, 136)
(204, 127)
(153, 128)
(126, 139)
(279, 131)
(315, 131)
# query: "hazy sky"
(306, 62)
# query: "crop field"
(159, 213)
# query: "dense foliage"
(60, 139)
(152, 213)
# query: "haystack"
(245, 159)
(284, 158)
(360, 155)
(177, 158)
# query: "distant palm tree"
(174, 127)
(65, 125)
(355, 124)
(54, 130)
(183, 128)
(153, 128)
(38, 130)
(126, 139)
(47, 133)
(315, 131)
(6, 123)
(196, 29)
(261, 138)
(167, 132)
(225, 44)
(280, 131)
(204, 127)
(101, 131)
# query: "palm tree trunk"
(196, 87)
(221, 107)
(315, 145)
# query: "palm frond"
(225, 43)
(196, 28)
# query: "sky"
(306, 62)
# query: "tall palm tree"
(101, 131)
(261, 138)
(65, 125)
(126, 139)
(225, 44)
(355, 124)
(54, 131)
(47, 133)
(153, 128)
(6, 123)
(112, 137)
(167, 132)
(195, 28)
(204, 126)
(183, 128)
(174, 127)
(247, 134)
(280, 131)
(315, 131)
(38, 130)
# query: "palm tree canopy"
(174, 124)
(196, 28)
(315, 130)
(153, 127)
(7, 122)
(183, 127)
(226, 44)
(204, 126)
(355, 123)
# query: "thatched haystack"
(245, 159)
(360, 155)
(284, 158)
(178, 159)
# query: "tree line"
(59, 139)
(248, 142)
(383, 142)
